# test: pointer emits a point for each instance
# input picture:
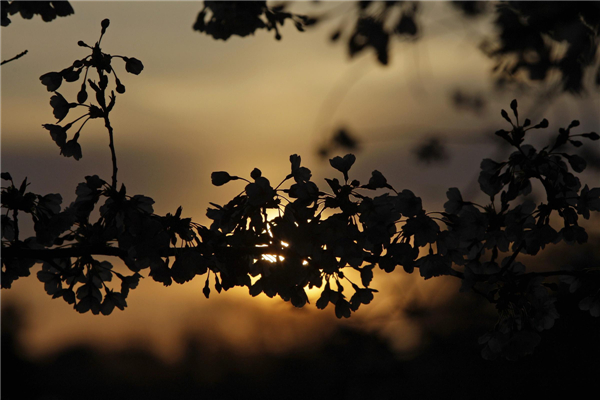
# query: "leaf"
(334, 184)
(577, 163)
(160, 272)
(57, 133)
(206, 289)
(220, 178)
(133, 65)
(256, 289)
(504, 135)
(408, 204)
(300, 174)
(255, 174)
(344, 140)
(589, 200)
(295, 161)
(434, 265)
(543, 124)
(490, 165)
(335, 35)
(52, 81)
(82, 95)
(490, 183)
(324, 298)
(218, 286)
(422, 228)
(591, 135)
(60, 106)
(107, 306)
(70, 74)
(342, 309)
(299, 298)
(343, 164)
(406, 26)
(68, 295)
(591, 304)
(8, 228)
(304, 191)
(377, 181)
(260, 192)
(50, 202)
(366, 275)
(143, 203)
(563, 136)
(120, 87)
(96, 112)
(84, 305)
(513, 106)
(71, 149)
(455, 201)
(47, 276)
(188, 263)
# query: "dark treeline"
(351, 364)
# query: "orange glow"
(203, 105)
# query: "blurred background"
(425, 120)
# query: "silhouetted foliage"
(222, 19)
(530, 38)
(472, 8)
(469, 102)
(317, 236)
(533, 33)
(376, 23)
(47, 10)
(432, 150)
(534, 42)
(341, 140)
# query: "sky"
(204, 105)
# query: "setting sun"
(299, 200)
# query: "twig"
(112, 152)
(14, 58)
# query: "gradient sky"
(203, 105)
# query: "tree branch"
(14, 58)
(50, 254)
(112, 150)
(10, 252)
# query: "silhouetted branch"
(112, 152)
(14, 58)
(50, 254)
(11, 252)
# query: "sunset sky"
(204, 105)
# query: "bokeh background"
(204, 105)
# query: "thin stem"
(554, 273)
(82, 125)
(83, 116)
(14, 58)
(488, 297)
(112, 151)
(16, 223)
(512, 257)
(281, 183)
